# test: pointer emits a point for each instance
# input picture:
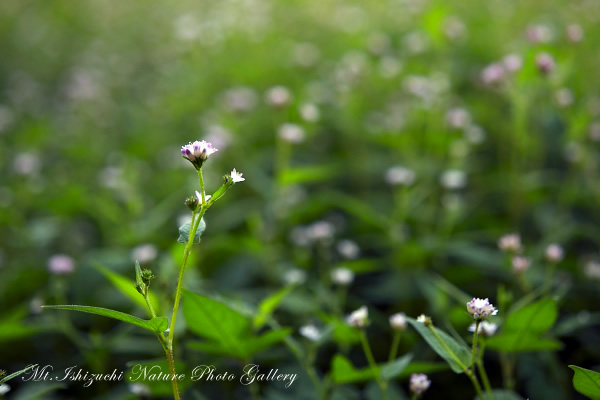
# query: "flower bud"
(425, 320)
(554, 253)
(359, 318)
(520, 264)
(147, 277)
(398, 321)
(510, 243)
(192, 203)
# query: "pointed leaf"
(157, 325)
(15, 374)
(586, 382)
(268, 305)
(395, 368)
(460, 352)
(138, 274)
(127, 287)
(184, 232)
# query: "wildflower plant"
(197, 153)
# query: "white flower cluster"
(481, 308)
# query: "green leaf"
(537, 317)
(342, 371)
(586, 382)
(184, 232)
(501, 395)
(15, 374)
(523, 329)
(461, 352)
(249, 346)
(127, 287)
(268, 305)
(517, 342)
(38, 390)
(157, 325)
(213, 319)
(395, 368)
(138, 275)
(313, 173)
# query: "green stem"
(395, 345)
(475, 336)
(171, 362)
(483, 374)
(369, 354)
(462, 366)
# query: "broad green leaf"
(37, 390)
(268, 305)
(586, 382)
(15, 374)
(342, 332)
(127, 287)
(395, 368)
(342, 371)
(184, 232)
(516, 342)
(523, 329)
(248, 346)
(213, 319)
(501, 395)
(157, 325)
(461, 352)
(537, 317)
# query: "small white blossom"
(564, 97)
(26, 164)
(358, 318)
(398, 321)
(4, 388)
(520, 264)
(481, 308)
(144, 253)
(278, 96)
(310, 112)
(61, 264)
(512, 62)
(487, 328)
(348, 249)
(575, 33)
(510, 242)
(458, 118)
(236, 176)
(321, 230)
(419, 383)
(424, 319)
(453, 179)
(342, 276)
(399, 175)
(554, 253)
(139, 389)
(207, 197)
(294, 276)
(592, 270)
(311, 332)
(239, 99)
(198, 152)
(291, 133)
(493, 74)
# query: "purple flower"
(198, 152)
(545, 63)
(61, 264)
(481, 308)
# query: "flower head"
(487, 328)
(398, 321)
(198, 152)
(425, 320)
(4, 388)
(520, 264)
(61, 264)
(311, 332)
(359, 318)
(554, 253)
(342, 276)
(419, 383)
(510, 243)
(236, 176)
(545, 63)
(481, 308)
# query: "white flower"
(592, 270)
(294, 276)
(236, 176)
(348, 249)
(291, 133)
(342, 276)
(311, 332)
(520, 264)
(206, 196)
(487, 328)
(198, 152)
(399, 175)
(481, 308)
(510, 242)
(310, 112)
(512, 62)
(493, 74)
(358, 318)
(458, 118)
(4, 388)
(139, 389)
(398, 321)
(278, 96)
(144, 253)
(575, 33)
(321, 230)
(453, 179)
(424, 319)
(554, 253)
(60, 264)
(419, 383)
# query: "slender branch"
(395, 345)
(483, 374)
(369, 354)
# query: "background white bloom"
(520, 264)
(400, 175)
(311, 332)
(398, 321)
(292, 133)
(359, 318)
(487, 328)
(342, 276)
(144, 253)
(554, 253)
(61, 264)
(510, 242)
(348, 249)
(278, 96)
(419, 383)
(4, 388)
(453, 179)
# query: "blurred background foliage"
(96, 99)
